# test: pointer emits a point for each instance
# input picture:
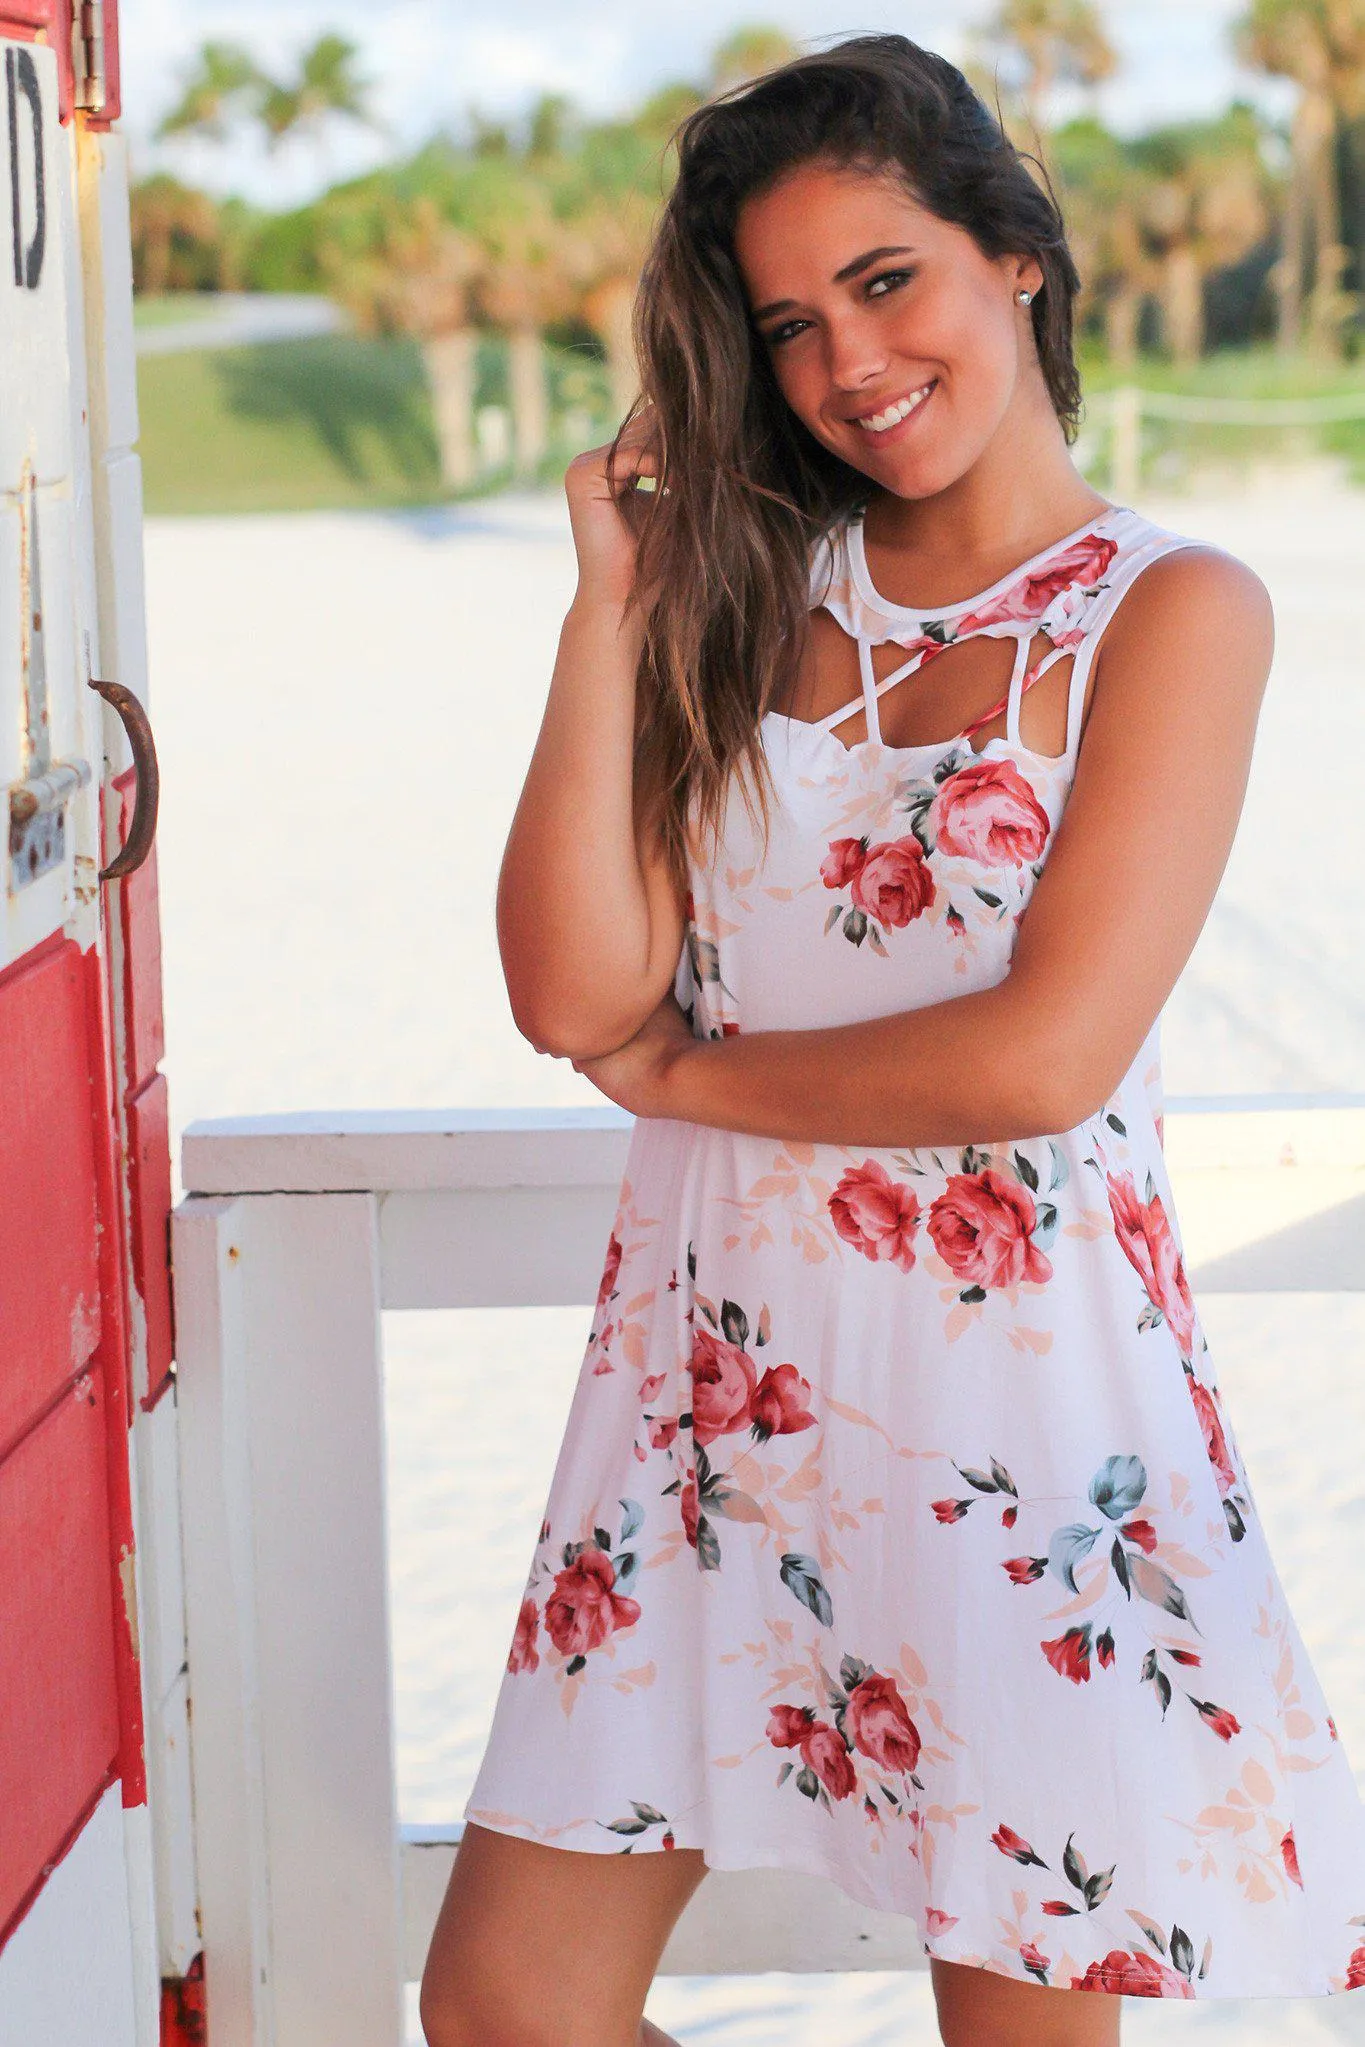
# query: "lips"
(875, 423)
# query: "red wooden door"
(70, 1701)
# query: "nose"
(855, 354)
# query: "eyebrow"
(849, 270)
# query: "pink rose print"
(890, 884)
(687, 1501)
(723, 1383)
(1127, 1975)
(609, 1271)
(1290, 1855)
(1083, 563)
(824, 1750)
(1215, 1442)
(876, 1214)
(583, 1610)
(981, 1227)
(780, 1404)
(893, 884)
(878, 1723)
(1144, 1231)
(988, 812)
(841, 863)
(821, 1746)
(524, 1654)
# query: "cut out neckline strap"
(1021, 630)
(861, 576)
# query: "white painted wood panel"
(282, 1458)
(66, 1974)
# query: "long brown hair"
(726, 555)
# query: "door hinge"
(87, 55)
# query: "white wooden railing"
(295, 1233)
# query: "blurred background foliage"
(486, 279)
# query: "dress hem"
(936, 1947)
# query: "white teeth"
(878, 422)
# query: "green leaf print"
(735, 1323)
(635, 1515)
(801, 1575)
(708, 1547)
(1061, 1171)
(1027, 1171)
(1118, 1487)
(1066, 1550)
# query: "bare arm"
(589, 925)
(1126, 889)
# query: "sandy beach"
(344, 706)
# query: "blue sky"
(431, 58)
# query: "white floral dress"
(899, 1532)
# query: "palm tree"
(1203, 204)
(1043, 43)
(1320, 44)
(222, 83)
(325, 87)
(171, 224)
(1103, 195)
(402, 268)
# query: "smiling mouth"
(882, 422)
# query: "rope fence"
(1124, 408)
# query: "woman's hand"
(637, 1075)
(599, 490)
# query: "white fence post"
(280, 1410)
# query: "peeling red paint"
(184, 2018)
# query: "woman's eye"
(891, 277)
(783, 333)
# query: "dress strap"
(872, 689)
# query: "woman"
(887, 775)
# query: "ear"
(1026, 274)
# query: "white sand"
(344, 705)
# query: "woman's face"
(894, 339)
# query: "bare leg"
(551, 1947)
(982, 2008)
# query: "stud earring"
(1026, 298)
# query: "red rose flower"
(609, 1270)
(1070, 1654)
(688, 1501)
(780, 1403)
(524, 1655)
(876, 1214)
(583, 1610)
(1121, 1974)
(878, 1723)
(980, 1225)
(662, 1430)
(1144, 1231)
(1084, 562)
(893, 884)
(988, 812)
(1215, 1442)
(787, 1726)
(823, 1749)
(723, 1379)
(843, 860)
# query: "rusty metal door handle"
(142, 830)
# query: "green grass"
(1177, 452)
(328, 421)
(339, 421)
(174, 308)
